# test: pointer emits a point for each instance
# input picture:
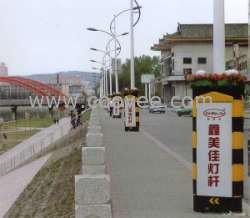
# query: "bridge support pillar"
(51, 112)
(13, 112)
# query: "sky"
(49, 36)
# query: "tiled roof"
(73, 77)
(197, 31)
(159, 47)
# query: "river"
(5, 112)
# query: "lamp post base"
(134, 129)
(217, 204)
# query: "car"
(185, 111)
(160, 108)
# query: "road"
(176, 133)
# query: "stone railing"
(92, 187)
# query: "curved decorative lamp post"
(106, 53)
(105, 76)
(100, 80)
(103, 79)
(116, 76)
(113, 37)
(132, 70)
(114, 33)
(95, 30)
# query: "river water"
(5, 112)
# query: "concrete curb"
(92, 187)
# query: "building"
(89, 90)
(3, 71)
(77, 80)
(190, 49)
(11, 91)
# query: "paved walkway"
(44, 132)
(14, 183)
(147, 180)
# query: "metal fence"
(36, 148)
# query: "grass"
(13, 136)
(52, 192)
(35, 123)
(20, 135)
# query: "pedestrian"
(79, 118)
(111, 107)
(73, 118)
(54, 121)
(57, 121)
(4, 135)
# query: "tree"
(84, 93)
(96, 89)
(143, 65)
(3, 95)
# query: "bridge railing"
(34, 150)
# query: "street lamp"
(95, 81)
(93, 29)
(113, 37)
(101, 80)
(114, 34)
(106, 53)
(116, 74)
(105, 78)
(97, 62)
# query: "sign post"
(218, 142)
(109, 108)
(218, 139)
(131, 110)
(147, 78)
(117, 107)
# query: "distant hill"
(46, 78)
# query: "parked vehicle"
(185, 111)
(161, 108)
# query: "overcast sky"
(48, 36)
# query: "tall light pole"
(101, 81)
(105, 86)
(114, 35)
(218, 37)
(116, 75)
(93, 29)
(104, 61)
(94, 76)
(106, 75)
(110, 69)
(116, 70)
(105, 80)
(132, 68)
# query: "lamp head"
(92, 29)
(138, 7)
(94, 49)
